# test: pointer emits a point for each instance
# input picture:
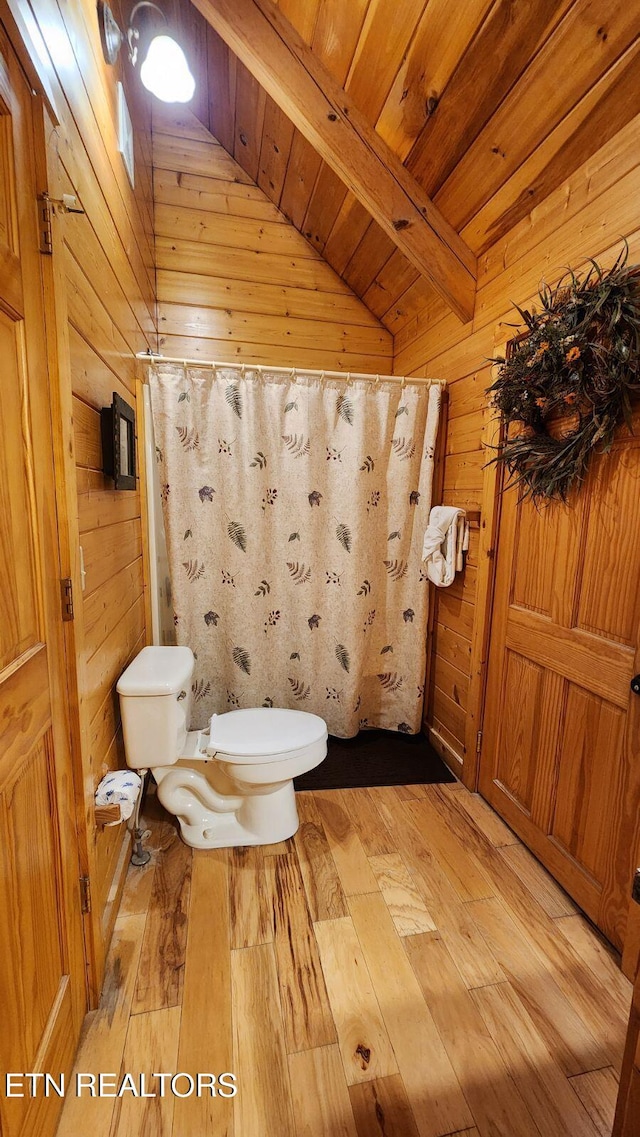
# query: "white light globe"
(165, 71)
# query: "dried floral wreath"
(569, 381)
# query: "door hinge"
(85, 894)
(68, 203)
(635, 888)
(66, 596)
(478, 742)
(45, 232)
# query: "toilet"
(228, 786)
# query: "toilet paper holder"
(107, 814)
(111, 814)
(139, 855)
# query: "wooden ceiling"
(489, 105)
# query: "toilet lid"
(261, 732)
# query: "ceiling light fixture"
(164, 71)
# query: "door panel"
(562, 729)
(589, 779)
(521, 697)
(42, 973)
(18, 628)
(532, 577)
(29, 811)
(612, 553)
(6, 219)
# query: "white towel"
(445, 540)
(121, 787)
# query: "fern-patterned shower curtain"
(295, 509)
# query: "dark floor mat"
(376, 758)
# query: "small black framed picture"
(118, 425)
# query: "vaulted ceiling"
(489, 106)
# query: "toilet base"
(211, 820)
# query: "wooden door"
(627, 1119)
(42, 983)
(561, 746)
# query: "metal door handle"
(635, 684)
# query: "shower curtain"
(295, 508)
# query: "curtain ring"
(377, 380)
(403, 382)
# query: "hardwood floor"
(401, 968)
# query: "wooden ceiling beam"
(276, 55)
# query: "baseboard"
(115, 892)
(452, 760)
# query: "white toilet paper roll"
(119, 787)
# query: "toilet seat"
(264, 734)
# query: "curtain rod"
(152, 357)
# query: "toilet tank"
(155, 703)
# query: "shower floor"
(376, 758)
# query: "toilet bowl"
(231, 785)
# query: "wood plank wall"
(105, 299)
(235, 279)
(586, 216)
